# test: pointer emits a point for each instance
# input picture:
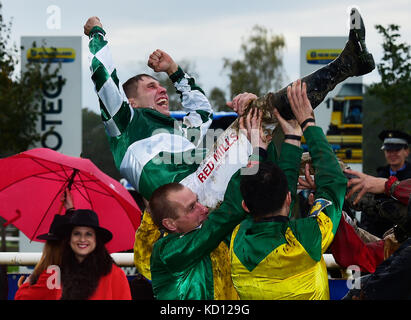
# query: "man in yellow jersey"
(273, 257)
(192, 261)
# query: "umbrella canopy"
(31, 185)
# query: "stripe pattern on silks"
(115, 110)
(143, 140)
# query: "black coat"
(392, 278)
(384, 172)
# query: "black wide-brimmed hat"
(58, 222)
(85, 218)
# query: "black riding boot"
(354, 60)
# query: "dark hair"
(161, 206)
(265, 191)
(131, 85)
(80, 279)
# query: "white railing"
(122, 259)
(12, 239)
(31, 258)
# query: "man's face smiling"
(150, 94)
(396, 158)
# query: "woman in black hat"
(87, 270)
(44, 282)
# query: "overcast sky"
(203, 32)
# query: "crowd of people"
(246, 244)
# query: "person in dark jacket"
(396, 151)
(392, 278)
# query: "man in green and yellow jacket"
(192, 260)
(273, 257)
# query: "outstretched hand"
(91, 23)
(160, 61)
(240, 102)
(289, 127)
(252, 124)
(362, 184)
(299, 102)
(308, 182)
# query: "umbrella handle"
(70, 183)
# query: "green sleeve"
(272, 152)
(289, 162)
(179, 252)
(114, 107)
(329, 179)
(179, 75)
(199, 112)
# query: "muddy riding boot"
(354, 60)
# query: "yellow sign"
(51, 55)
(322, 56)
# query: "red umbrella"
(31, 184)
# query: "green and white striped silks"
(115, 109)
(149, 149)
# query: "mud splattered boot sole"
(365, 63)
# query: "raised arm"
(115, 109)
(192, 96)
(392, 187)
(290, 157)
(160, 61)
(291, 152)
(91, 23)
(241, 101)
(193, 100)
(363, 183)
(191, 247)
(329, 178)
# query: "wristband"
(292, 137)
(177, 76)
(390, 185)
(302, 125)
